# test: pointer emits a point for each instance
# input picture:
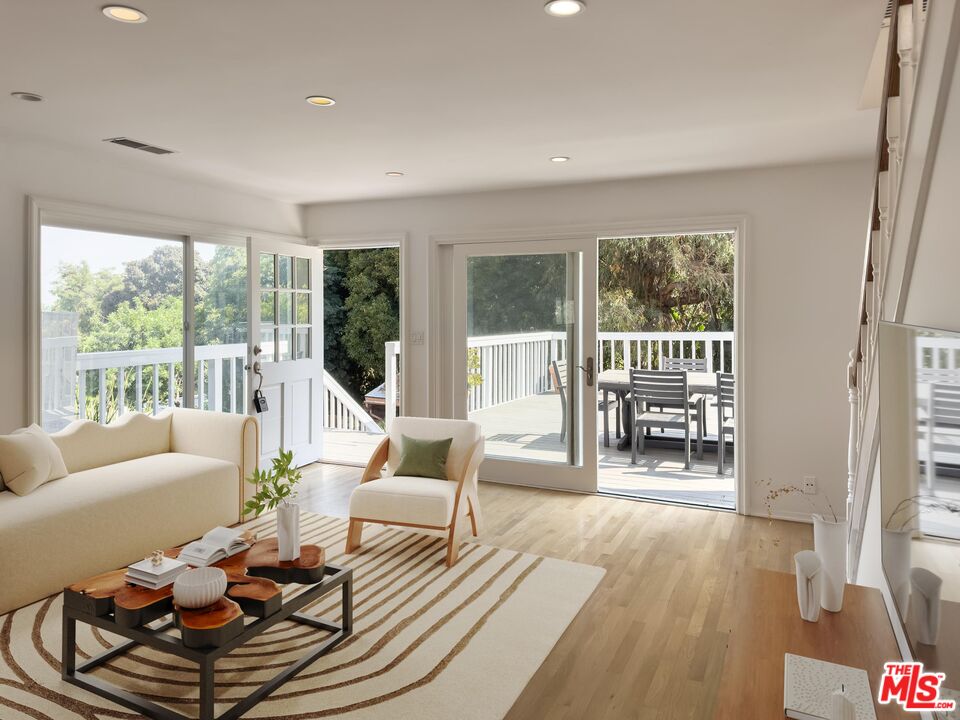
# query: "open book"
(213, 547)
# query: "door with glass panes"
(287, 348)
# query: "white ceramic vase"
(200, 587)
(895, 550)
(925, 604)
(830, 542)
(809, 579)
(288, 531)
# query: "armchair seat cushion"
(407, 500)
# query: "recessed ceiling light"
(394, 173)
(559, 159)
(124, 14)
(321, 101)
(564, 8)
(27, 96)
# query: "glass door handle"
(588, 370)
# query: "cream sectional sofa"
(139, 484)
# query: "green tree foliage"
(680, 283)
(141, 307)
(515, 293)
(361, 292)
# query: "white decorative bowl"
(199, 588)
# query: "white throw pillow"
(58, 468)
(28, 459)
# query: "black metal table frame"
(206, 658)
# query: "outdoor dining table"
(618, 381)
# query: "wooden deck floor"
(529, 429)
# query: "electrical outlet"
(809, 485)
(416, 338)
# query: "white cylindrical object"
(809, 579)
(830, 542)
(841, 707)
(288, 531)
(925, 604)
(895, 553)
(199, 588)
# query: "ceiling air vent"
(137, 145)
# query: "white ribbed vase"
(830, 542)
(288, 531)
(199, 588)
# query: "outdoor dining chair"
(660, 399)
(558, 368)
(725, 422)
(689, 365)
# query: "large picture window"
(112, 325)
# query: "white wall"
(27, 168)
(804, 250)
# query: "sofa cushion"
(410, 500)
(86, 444)
(104, 518)
(24, 462)
(58, 469)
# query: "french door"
(523, 359)
(286, 348)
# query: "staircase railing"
(342, 412)
(905, 23)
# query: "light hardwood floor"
(650, 642)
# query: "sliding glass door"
(525, 329)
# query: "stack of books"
(154, 577)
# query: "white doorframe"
(360, 242)
(440, 243)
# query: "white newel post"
(908, 64)
(894, 151)
(880, 257)
(853, 396)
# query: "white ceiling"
(459, 94)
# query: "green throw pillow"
(423, 458)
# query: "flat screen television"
(919, 386)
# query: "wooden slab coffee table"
(253, 603)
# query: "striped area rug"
(429, 643)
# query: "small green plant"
(474, 378)
(275, 486)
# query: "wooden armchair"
(434, 507)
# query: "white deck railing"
(514, 366)
(648, 350)
(157, 375)
(510, 367)
(153, 379)
(341, 411)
